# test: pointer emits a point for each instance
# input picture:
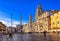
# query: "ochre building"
(48, 20)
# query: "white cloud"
(7, 21)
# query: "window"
(53, 22)
(57, 16)
(40, 29)
(57, 22)
(39, 11)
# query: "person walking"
(10, 35)
(44, 33)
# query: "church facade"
(44, 21)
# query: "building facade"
(46, 20)
(41, 20)
(3, 28)
(11, 29)
(55, 20)
(26, 28)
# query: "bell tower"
(30, 23)
(38, 11)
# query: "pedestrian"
(44, 33)
(10, 35)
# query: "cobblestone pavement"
(31, 37)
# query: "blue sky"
(24, 8)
